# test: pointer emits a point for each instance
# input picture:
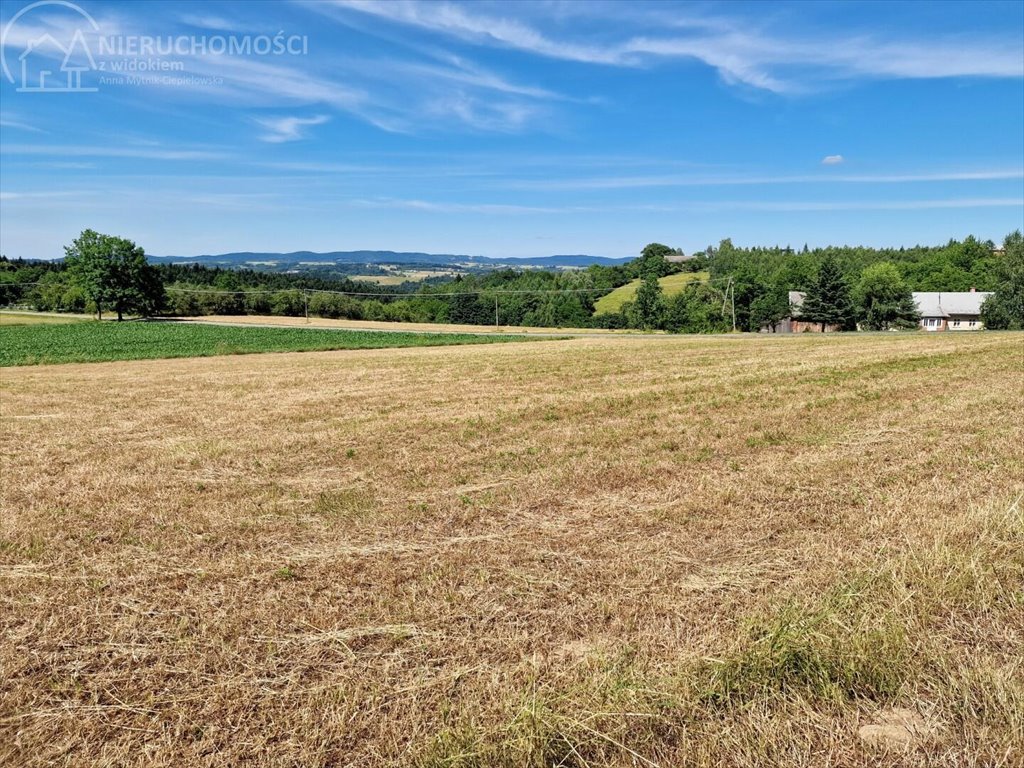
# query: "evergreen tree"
(828, 301)
(648, 309)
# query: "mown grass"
(871, 641)
(34, 318)
(96, 342)
(605, 552)
(670, 286)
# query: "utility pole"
(729, 295)
(496, 324)
(305, 299)
(732, 288)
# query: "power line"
(383, 294)
(427, 295)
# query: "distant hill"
(309, 258)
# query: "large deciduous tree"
(769, 309)
(654, 259)
(1004, 309)
(828, 301)
(114, 274)
(884, 300)
(697, 309)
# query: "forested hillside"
(756, 280)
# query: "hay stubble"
(523, 554)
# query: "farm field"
(668, 551)
(38, 318)
(670, 286)
(387, 325)
(34, 344)
(403, 276)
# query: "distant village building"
(940, 311)
(678, 257)
(793, 323)
(951, 310)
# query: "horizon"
(512, 131)
(997, 243)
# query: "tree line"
(844, 287)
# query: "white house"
(951, 310)
(943, 311)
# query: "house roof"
(947, 303)
(930, 303)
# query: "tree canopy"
(1004, 309)
(104, 273)
(113, 274)
(884, 300)
(827, 300)
(648, 309)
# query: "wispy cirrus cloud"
(687, 206)
(741, 50)
(142, 152)
(833, 160)
(282, 129)
(436, 206)
(17, 122)
(636, 182)
(863, 205)
(407, 91)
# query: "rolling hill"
(670, 286)
(310, 258)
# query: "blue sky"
(510, 129)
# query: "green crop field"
(670, 286)
(95, 342)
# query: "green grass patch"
(92, 341)
(671, 285)
(843, 648)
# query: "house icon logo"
(52, 62)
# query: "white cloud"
(281, 129)
(454, 20)
(500, 209)
(217, 23)
(864, 205)
(430, 206)
(637, 182)
(9, 120)
(833, 160)
(740, 51)
(87, 151)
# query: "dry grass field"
(39, 318)
(382, 325)
(669, 551)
